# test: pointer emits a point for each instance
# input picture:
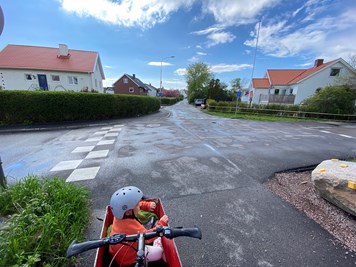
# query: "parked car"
(198, 102)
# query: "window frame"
(335, 72)
(125, 80)
(29, 77)
(131, 90)
(73, 80)
(54, 80)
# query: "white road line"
(347, 136)
(325, 131)
(106, 142)
(83, 174)
(342, 135)
(66, 165)
(97, 154)
(81, 149)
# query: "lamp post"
(160, 79)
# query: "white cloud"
(220, 38)
(158, 63)
(201, 53)
(199, 47)
(181, 71)
(221, 68)
(327, 37)
(209, 30)
(108, 67)
(128, 13)
(228, 12)
(218, 68)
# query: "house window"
(55, 78)
(290, 91)
(276, 91)
(131, 90)
(29, 77)
(335, 72)
(72, 80)
(126, 80)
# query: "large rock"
(335, 181)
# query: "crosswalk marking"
(83, 174)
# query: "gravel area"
(297, 189)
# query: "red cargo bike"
(104, 259)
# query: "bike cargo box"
(103, 257)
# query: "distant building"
(292, 86)
(55, 69)
(131, 85)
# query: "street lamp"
(160, 80)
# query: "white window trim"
(126, 80)
(72, 80)
(131, 90)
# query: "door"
(42, 81)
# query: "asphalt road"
(208, 171)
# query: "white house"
(55, 69)
(292, 86)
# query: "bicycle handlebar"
(169, 232)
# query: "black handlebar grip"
(194, 232)
(77, 248)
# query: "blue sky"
(135, 36)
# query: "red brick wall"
(123, 88)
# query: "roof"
(260, 83)
(288, 76)
(46, 58)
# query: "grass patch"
(257, 117)
(43, 216)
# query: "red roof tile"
(308, 72)
(260, 83)
(46, 58)
(284, 77)
(279, 77)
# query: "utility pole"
(254, 57)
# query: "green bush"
(44, 216)
(332, 99)
(168, 100)
(47, 106)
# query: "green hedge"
(45, 106)
(168, 100)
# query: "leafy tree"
(197, 77)
(332, 99)
(217, 90)
(236, 84)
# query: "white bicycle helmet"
(124, 199)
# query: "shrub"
(168, 100)
(38, 106)
(45, 216)
(332, 99)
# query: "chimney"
(63, 50)
(318, 62)
(134, 76)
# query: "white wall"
(16, 80)
(321, 79)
